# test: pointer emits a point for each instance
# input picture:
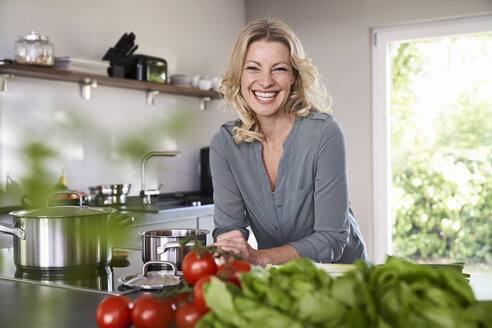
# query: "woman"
(281, 168)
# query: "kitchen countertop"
(27, 304)
(24, 304)
(30, 303)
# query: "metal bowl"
(110, 194)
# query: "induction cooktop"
(125, 262)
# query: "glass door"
(433, 142)
(441, 149)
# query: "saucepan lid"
(152, 279)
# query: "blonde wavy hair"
(307, 93)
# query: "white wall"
(194, 36)
(337, 36)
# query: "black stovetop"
(126, 261)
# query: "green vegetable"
(398, 294)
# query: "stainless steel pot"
(163, 244)
(61, 237)
(110, 194)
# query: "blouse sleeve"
(229, 209)
(331, 199)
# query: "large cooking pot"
(61, 237)
(164, 244)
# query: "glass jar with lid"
(34, 49)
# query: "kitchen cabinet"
(88, 81)
(207, 222)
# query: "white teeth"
(265, 96)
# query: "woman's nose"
(265, 79)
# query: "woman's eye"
(251, 68)
(281, 69)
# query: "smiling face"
(267, 77)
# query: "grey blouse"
(310, 207)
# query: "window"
(390, 43)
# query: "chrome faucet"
(147, 194)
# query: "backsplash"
(102, 141)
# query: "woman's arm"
(229, 210)
(331, 199)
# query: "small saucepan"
(164, 244)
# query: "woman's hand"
(234, 241)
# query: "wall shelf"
(88, 81)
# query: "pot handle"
(146, 266)
(173, 244)
(26, 201)
(64, 192)
(18, 232)
(123, 219)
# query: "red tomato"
(187, 315)
(196, 264)
(150, 312)
(179, 299)
(198, 293)
(230, 271)
(114, 312)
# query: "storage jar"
(34, 49)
